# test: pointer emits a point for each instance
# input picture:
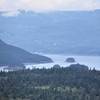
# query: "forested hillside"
(14, 56)
(76, 82)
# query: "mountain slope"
(58, 32)
(10, 55)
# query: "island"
(70, 60)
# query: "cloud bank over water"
(12, 7)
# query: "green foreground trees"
(51, 84)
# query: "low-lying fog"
(90, 61)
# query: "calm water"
(91, 61)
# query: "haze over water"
(90, 61)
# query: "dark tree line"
(76, 82)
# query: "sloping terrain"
(59, 32)
(13, 55)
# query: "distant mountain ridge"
(10, 55)
(58, 32)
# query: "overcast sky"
(12, 7)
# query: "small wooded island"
(70, 60)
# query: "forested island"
(76, 82)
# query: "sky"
(12, 7)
